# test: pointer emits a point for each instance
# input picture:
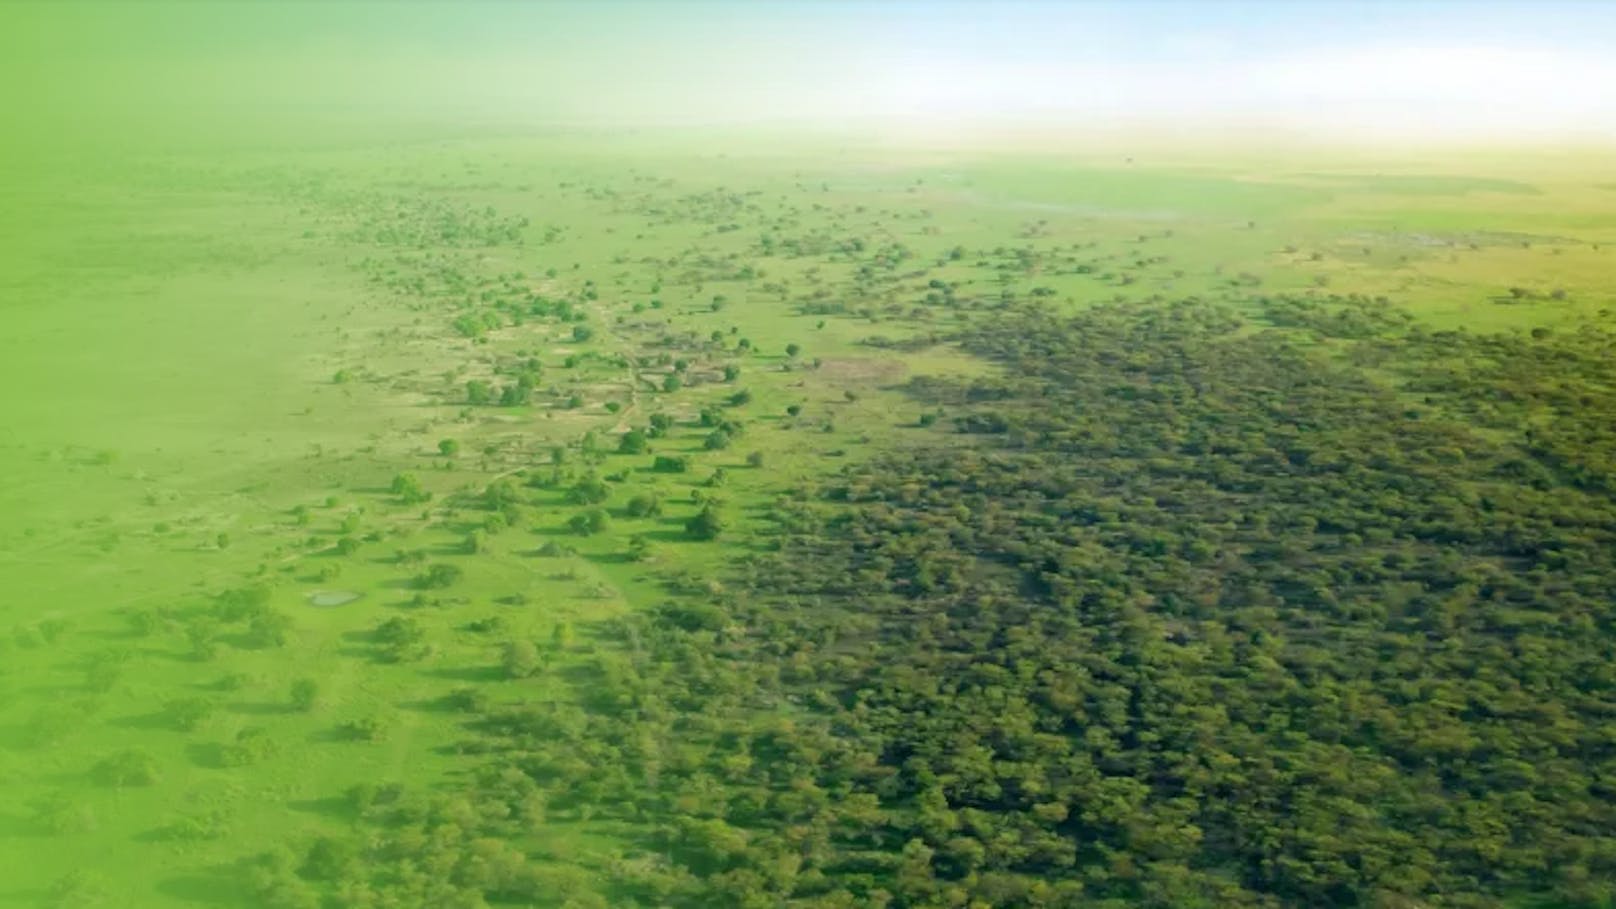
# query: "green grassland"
(438, 376)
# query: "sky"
(1517, 69)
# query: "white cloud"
(1392, 88)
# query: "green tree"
(670, 464)
(520, 659)
(644, 505)
(268, 629)
(516, 395)
(331, 859)
(187, 714)
(401, 639)
(707, 524)
(202, 635)
(500, 495)
(409, 490)
(639, 548)
(363, 729)
(561, 636)
(588, 523)
(589, 491)
(438, 576)
(129, 767)
(305, 694)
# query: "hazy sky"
(1522, 68)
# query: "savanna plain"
(595, 521)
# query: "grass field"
(234, 384)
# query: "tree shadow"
(332, 807)
(26, 737)
(24, 897)
(216, 886)
(439, 705)
(15, 826)
(207, 755)
(466, 673)
(259, 708)
(156, 721)
(465, 747)
(331, 735)
(464, 526)
(114, 634)
(160, 834)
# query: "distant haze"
(1517, 70)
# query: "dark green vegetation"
(1203, 618)
(1213, 620)
(697, 533)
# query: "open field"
(576, 424)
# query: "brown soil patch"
(863, 369)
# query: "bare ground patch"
(863, 369)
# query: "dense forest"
(1296, 603)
